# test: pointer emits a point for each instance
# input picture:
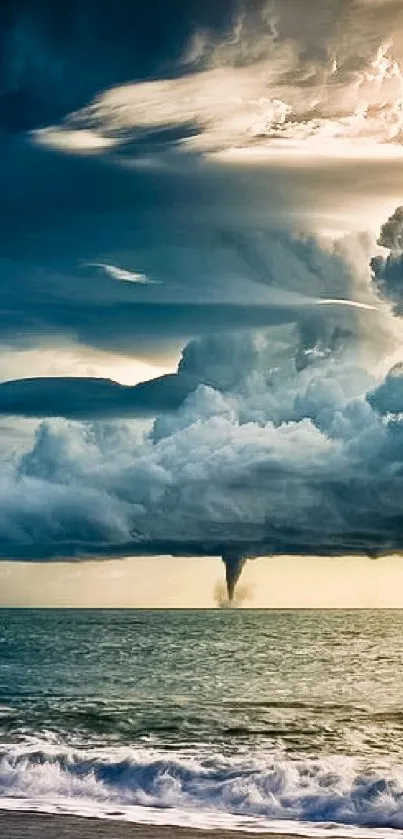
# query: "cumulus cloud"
(387, 398)
(392, 232)
(283, 464)
(388, 271)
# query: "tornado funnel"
(234, 562)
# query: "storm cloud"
(388, 270)
(166, 176)
(221, 474)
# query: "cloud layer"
(90, 398)
(215, 279)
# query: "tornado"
(234, 562)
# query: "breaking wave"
(205, 790)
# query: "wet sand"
(38, 826)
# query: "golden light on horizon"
(168, 582)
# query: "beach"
(42, 826)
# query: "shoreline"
(18, 824)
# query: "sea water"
(260, 720)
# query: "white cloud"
(123, 275)
(352, 303)
(83, 141)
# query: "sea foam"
(190, 787)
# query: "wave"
(266, 791)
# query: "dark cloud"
(268, 458)
(56, 56)
(387, 398)
(209, 261)
(391, 236)
(86, 398)
(388, 271)
(271, 437)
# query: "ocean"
(260, 720)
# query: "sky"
(201, 300)
(178, 582)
